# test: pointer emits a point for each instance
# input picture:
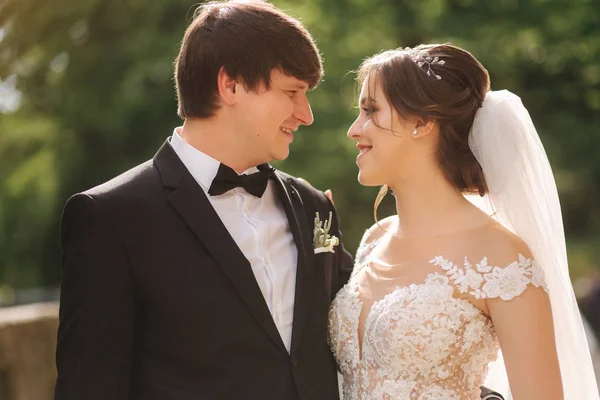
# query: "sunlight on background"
(86, 92)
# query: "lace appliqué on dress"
(484, 281)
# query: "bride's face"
(382, 138)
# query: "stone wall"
(27, 346)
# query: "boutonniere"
(322, 240)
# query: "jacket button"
(295, 362)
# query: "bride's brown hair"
(438, 82)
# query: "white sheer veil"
(523, 195)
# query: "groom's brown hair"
(248, 39)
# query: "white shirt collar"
(202, 166)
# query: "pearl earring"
(415, 132)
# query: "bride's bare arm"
(525, 331)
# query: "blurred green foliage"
(93, 84)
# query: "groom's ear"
(227, 87)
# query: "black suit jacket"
(158, 302)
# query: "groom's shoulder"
(304, 188)
(132, 185)
(125, 200)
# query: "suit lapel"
(190, 201)
(302, 233)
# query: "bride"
(442, 289)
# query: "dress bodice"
(425, 340)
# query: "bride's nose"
(355, 130)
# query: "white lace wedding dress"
(401, 334)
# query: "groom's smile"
(288, 132)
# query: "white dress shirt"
(259, 227)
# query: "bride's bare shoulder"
(500, 245)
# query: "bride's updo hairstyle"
(439, 82)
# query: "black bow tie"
(227, 179)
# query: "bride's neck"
(429, 206)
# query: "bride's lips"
(363, 149)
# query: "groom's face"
(270, 117)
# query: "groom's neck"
(219, 140)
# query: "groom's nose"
(303, 112)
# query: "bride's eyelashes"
(368, 110)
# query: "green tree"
(97, 97)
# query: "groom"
(199, 274)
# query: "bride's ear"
(424, 127)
